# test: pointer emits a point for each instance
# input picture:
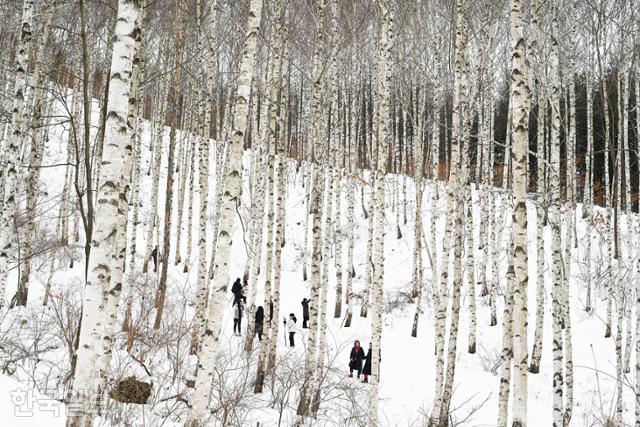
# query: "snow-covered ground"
(408, 364)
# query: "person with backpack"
(305, 313)
(259, 322)
(292, 329)
(236, 290)
(355, 359)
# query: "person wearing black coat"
(305, 313)
(259, 322)
(154, 256)
(236, 290)
(270, 311)
(366, 371)
(355, 359)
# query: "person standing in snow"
(236, 290)
(270, 311)
(305, 313)
(366, 371)
(154, 256)
(291, 328)
(237, 316)
(259, 322)
(355, 359)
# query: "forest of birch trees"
(453, 183)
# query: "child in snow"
(355, 362)
(259, 322)
(305, 313)
(292, 329)
(237, 316)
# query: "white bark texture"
(104, 275)
(38, 107)
(383, 140)
(440, 414)
(304, 402)
(203, 178)
(231, 198)
(555, 223)
(520, 96)
(11, 153)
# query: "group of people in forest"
(239, 305)
(356, 358)
(355, 362)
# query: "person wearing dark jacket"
(355, 359)
(236, 290)
(305, 313)
(237, 316)
(259, 322)
(154, 256)
(366, 370)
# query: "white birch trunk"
(232, 188)
(11, 152)
(104, 275)
(155, 168)
(440, 414)
(39, 108)
(203, 177)
(383, 140)
(555, 222)
(520, 96)
(305, 398)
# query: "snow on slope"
(22, 406)
(406, 392)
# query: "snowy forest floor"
(34, 341)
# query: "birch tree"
(382, 141)
(520, 141)
(304, 401)
(232, 189)
(203, 174)
(444, 386)
(11, 153)
(105, 266)
(39, 106)
(554, 221)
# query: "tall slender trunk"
(11, 152)
(269, 206)
(174, 112)
(588, 190)
(555, 222)
(232, 188)
(315, 211)
(102, 290)
(520, 95)
(182, 170)
(383, 141)
(152, 225)
(203, 174)
(39, 107)
(417, 236)
(506, 356)
(439, 416)
(281, 200)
